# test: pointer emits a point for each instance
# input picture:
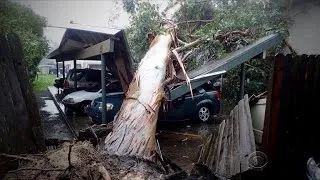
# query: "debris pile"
(227, 153)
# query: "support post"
(63, 70)
(103, 85)
(75, 71)
(242, 79)
(57, 71)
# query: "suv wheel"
(203, 113)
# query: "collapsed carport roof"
(89, 42)
(212, 69)
(78, 37)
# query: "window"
(77, 75)
(194, 91)
(93, 76)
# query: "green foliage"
(130, 5)
(144, 21)
(19, 19)
(259, 16)
(42, 81)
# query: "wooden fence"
(292, 122)
(227, 153)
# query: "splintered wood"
(228, 153)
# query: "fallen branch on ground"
(105, 174)
(69, 156)
(94, 134)
(35, 169)
(17, 157)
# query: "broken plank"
(243, 129)
(215, 160)
(210, 155)
(223, 152)
(229, 158)
(236, 139)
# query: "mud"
(181, 141)
(85, 163)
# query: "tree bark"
(20, 123)
(135, 125)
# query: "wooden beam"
(95, 50)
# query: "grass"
(43, 81)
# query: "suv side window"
(76, 75)
(93, 76)
(194, 91)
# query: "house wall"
(305, 31)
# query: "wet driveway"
(53, 126)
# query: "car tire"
(68, 111)
(80, 111)
(204, 113)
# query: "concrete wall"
(305, 31)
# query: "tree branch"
(182, 42)
(69, 156)
(183, 70)
(35, 169)
(290, 47)
(17, 157)
(192, 44)
(221, 38)
(194, 21)
(186, 56)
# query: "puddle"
(50, 108)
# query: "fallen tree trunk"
(134, 128)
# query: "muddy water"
(182, 141)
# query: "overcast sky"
(88, 12)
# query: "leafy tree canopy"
(19, 19)
(257, 17)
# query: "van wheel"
(203, 113)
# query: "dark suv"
(202, 106)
